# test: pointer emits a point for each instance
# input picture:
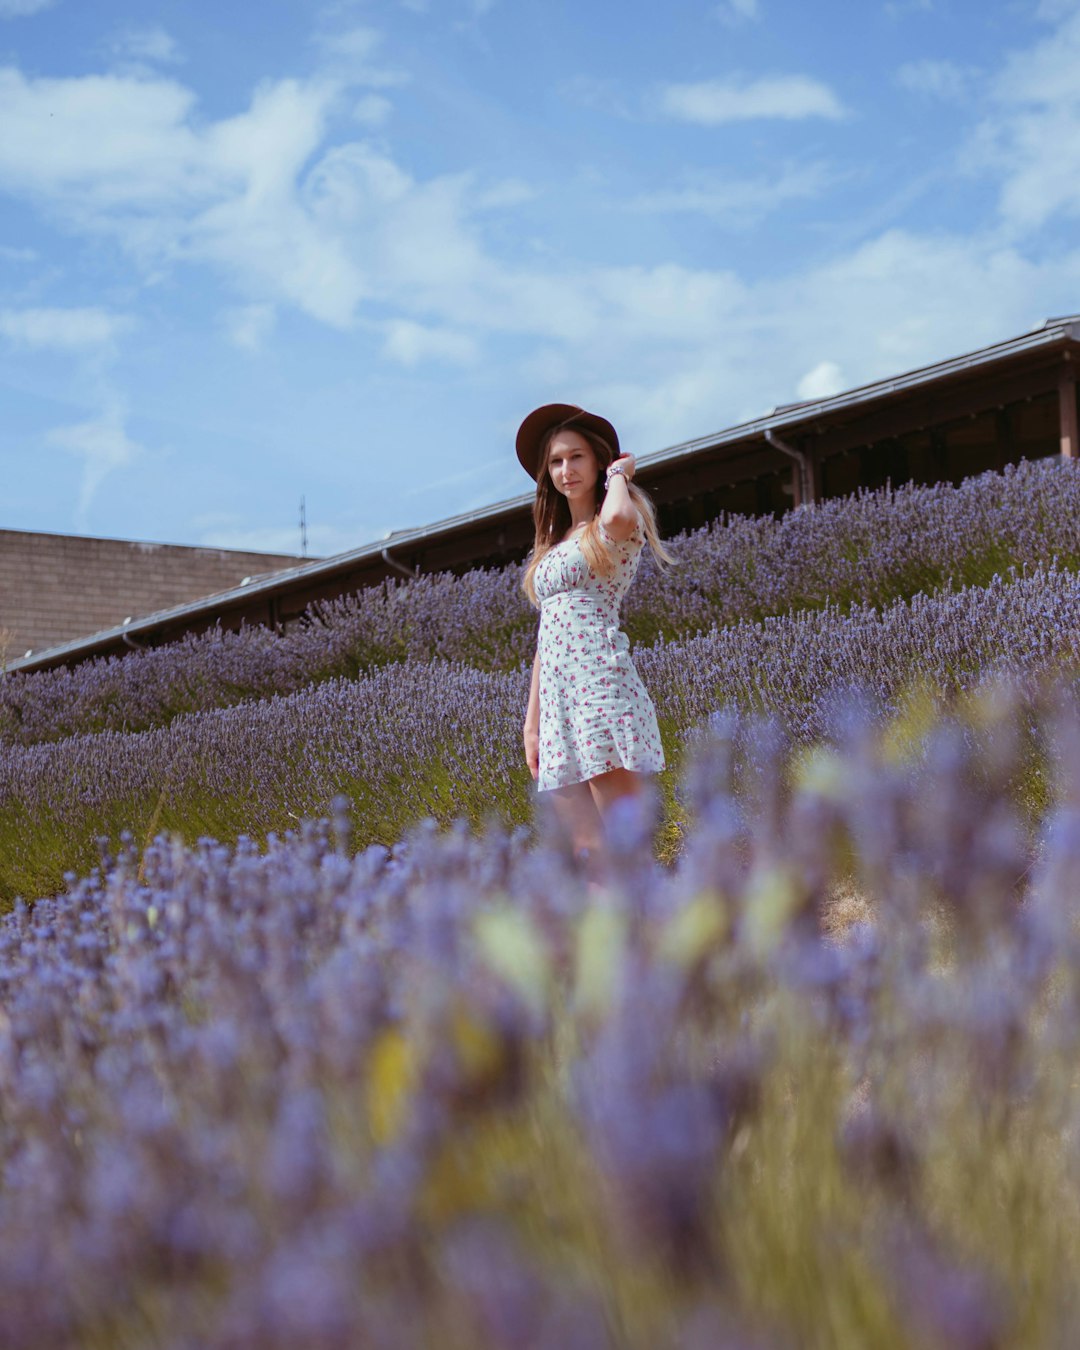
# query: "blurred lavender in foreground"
(440, 1093)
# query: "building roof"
(311, 578)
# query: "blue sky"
(254, 252)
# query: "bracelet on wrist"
(615, 470)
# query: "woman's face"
(572, 464)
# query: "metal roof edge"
(271, 583)
(1046, 335)
(791, 414)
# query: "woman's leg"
(576, 812)
(580, 809)
(608, 788)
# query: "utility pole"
(303, 529)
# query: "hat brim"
(541, 420)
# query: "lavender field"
(872, 550)
(312, 1035)
(438, 739)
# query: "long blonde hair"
(551, 514)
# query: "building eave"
(1061, 335)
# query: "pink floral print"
(595, 713)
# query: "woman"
(590, 731)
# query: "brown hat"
(542, 420)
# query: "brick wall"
(54, 587)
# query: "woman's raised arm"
(619, 514)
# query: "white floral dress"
(595, 713)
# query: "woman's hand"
(629, 465)
(531, 737)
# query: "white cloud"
(261, 230)
(372, 110)
(738, 202)
(1030, 141)
(17, 9)
(60, 329)
(415, 240)
(712, 102)
(411, 343)
(500, 196)
(1044, 75)
(824, 380)
(103, 445)
(474, 12)
(346, 234)
(147, 44)
(101, 142)
(674, 353)
(350, 54)
(738, 11)
(357, 44)
(1052, 10)
(937, 78)
(126, 156)
(248, 326)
